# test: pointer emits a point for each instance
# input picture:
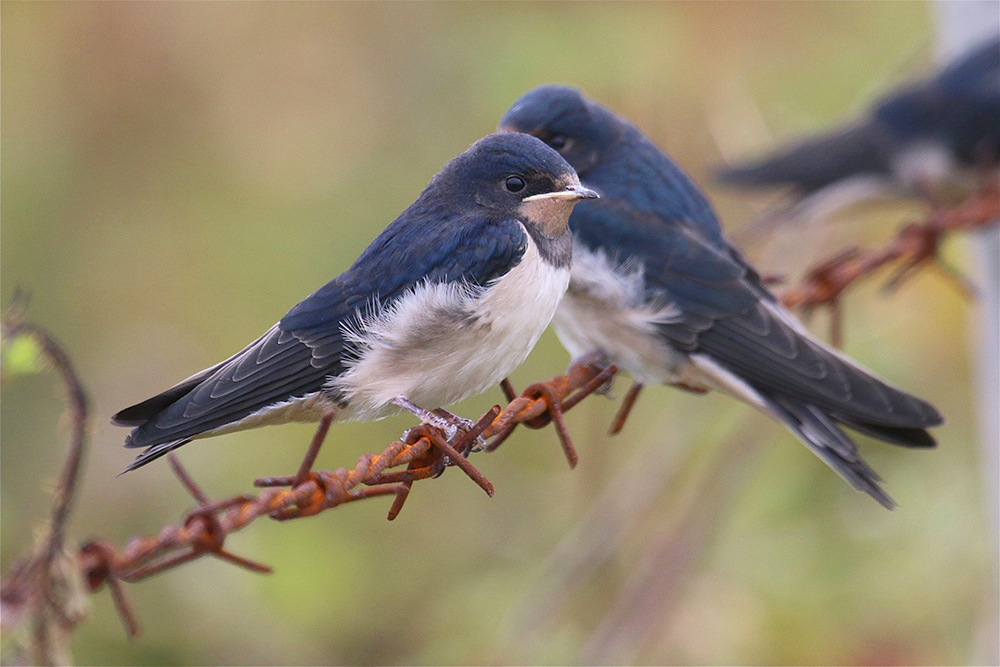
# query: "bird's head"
(515, 176)
(578, 128)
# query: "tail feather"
(815, 162)
(821, 435)
(140, 413)
(151, 453)
(895, 435)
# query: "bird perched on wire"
(657, 288)
(444, 303)
(926, 138)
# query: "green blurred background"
(176, 176)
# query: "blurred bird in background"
(447, 301)
(657, 287)
(934, 138)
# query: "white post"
(961, 25)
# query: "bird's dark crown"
(486, 174)
(565, 120)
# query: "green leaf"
(20, 355)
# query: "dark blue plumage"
(430, 311)
(920, 139)
(657, 288)
(613, 155)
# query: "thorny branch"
(424, 451)
(915, 245)
(41, 572)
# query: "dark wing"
(659, 193)
(960, 105)
(725, 317)
(299, 354)
(813, 163)
(975, 74)
(699, 273)
(969, 94)
(638, 172)
(275, 368)
(413, 249)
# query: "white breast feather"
(606, 309)
(441, 343)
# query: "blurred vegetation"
(175, 176)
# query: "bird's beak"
(570, 193)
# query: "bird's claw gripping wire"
(425, 451)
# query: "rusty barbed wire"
(424, 450)
(914, 246)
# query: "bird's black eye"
(514, 183)
(557, 141)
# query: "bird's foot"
(594, 359)
(443, 453)
(450, 424)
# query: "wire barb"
(915, 245)
(424, 452)
(626, 409)
(543, 402)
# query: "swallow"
(444, 303)
(924, 138)
(657, 289)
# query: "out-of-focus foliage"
(175, 176)
(19, 356)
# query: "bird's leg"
(452, 418)
(443, 423)
(448, 422)
(595, 359)
(625, 409)
(449, 455)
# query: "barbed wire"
(914, 246)
(424, 450)
(44, 582)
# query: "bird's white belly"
(444, 342)
(606, 309)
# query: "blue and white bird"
(658, 289)
(444, 303)
(930, 137)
